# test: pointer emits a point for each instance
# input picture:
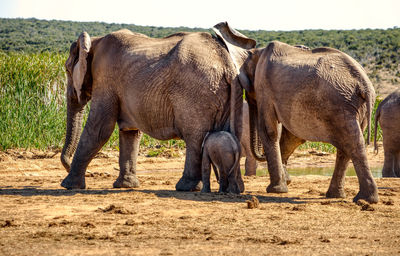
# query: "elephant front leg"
(278, 182)
(192, 172)
(389, 164)
(250, 166)
(129, 148)
(336, 187)
(270, 136)
(97, 131)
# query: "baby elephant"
(388, 116)
(222, 151)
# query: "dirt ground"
(38, 217)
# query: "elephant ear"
(237, 45)
(79, 70)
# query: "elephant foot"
(339, 193)
(388, 174)
(240, 183)
(233, 191)
(279, 188)
(206, 189)
(127, 182)
(185, 184)
(73, 182)
(241, 188)
(288, 179)
(370, 197)
(287, 176)
(250, 172)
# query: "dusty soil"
(38, 217)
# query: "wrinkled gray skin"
(388, 116)
(179, 86)
(251, 162)
(287, 144)
(317, 95)
(222, 151)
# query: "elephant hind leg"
(354, 148)
(336, 187)
(129, 148)
(288, 143)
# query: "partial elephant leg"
(397, 164)
(234, 183)
(223, 182)
(192, 172)
(240, 181)
(288, 144)
(388, 165)
(129, 148)
(268, 129)
(336, 187)
(206, 171)
(97, 131)
(250, 166)
(356, 150)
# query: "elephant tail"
(215, 171)
(368, 93)
(369, 114)
(377, 116)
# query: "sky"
(241, 14)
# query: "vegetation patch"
(33, 80)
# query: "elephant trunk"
(74, 126)
(255, 143)
(377, 116)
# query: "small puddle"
(324, 171)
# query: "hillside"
(376, 49)
(32, 35)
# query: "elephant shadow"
(227, 197)
(37, 191)
(31, 191)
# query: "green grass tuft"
(33, 108)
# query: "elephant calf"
(388, 116)
(222, 151)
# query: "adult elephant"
(180, 86)
(317, 95)
(388, 116)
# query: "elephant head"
(245, 57)
(78, 93)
